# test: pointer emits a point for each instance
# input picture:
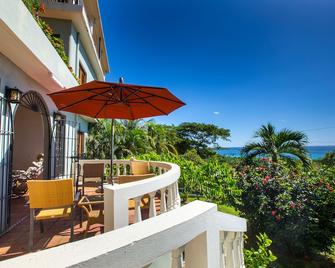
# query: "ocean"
(316, 152)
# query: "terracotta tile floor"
(56, 232)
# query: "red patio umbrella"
(99, 99)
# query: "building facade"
(30, 63)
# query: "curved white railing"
(193, 236)
(163, 186)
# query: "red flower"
(277, 218)
(330, 189)
(266, 179)
(273, 213)
(292, 205)
(42, 8)
(299, 205)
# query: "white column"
(138, 215)
(178, 200)
(116, 209)
(160, 171)
(170, 197)
(117, 169)
(124, 169)
(177, 258)
(203, 251)
(152, 207)
(238, 249)
(163, 201)
(229, 249)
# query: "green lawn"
(221, 207)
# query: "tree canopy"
(203, 138)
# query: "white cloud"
(216, 113)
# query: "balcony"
(75, 11)
(169, 235)
(195, 235)
(163, 186)
(25, 44)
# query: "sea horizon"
(316, 151)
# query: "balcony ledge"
(24, 43)
(77, 14)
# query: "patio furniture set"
(58, 199)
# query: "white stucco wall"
(74, 48)
(12, 76)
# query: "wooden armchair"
(139, 170)
(50, 199)
(93, 172)
(93, 215)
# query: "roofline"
(103, 35)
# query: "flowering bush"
(296, 208)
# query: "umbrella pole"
(112, 151)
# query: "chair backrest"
(139, 168)
(91, 170)
(50, 193)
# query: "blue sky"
(236, 63)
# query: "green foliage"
(329, 159)
(295, 207)
(262, 256)
(36, 9)
(211, 180)
(131, 138)
(285, 144)
(139, 137)
(201, 137)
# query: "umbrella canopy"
(116, 100)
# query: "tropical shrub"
(297, 209)
(260, 257)
(210, 179)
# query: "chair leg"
(41, 227)
(31, 231)
(87, 227)
(81, 218)
(83, 186)
(72, 223)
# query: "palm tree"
(161, 138)
(284, 144)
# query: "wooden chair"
(93, 172)
(139, 170)
(96, 215)
(50, 199)
(93, 215)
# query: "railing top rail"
(131, 246)
(142, 187)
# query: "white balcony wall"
(186, 237)
(25, 44)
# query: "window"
(80, 144)
(82, 75)
(59, 147)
